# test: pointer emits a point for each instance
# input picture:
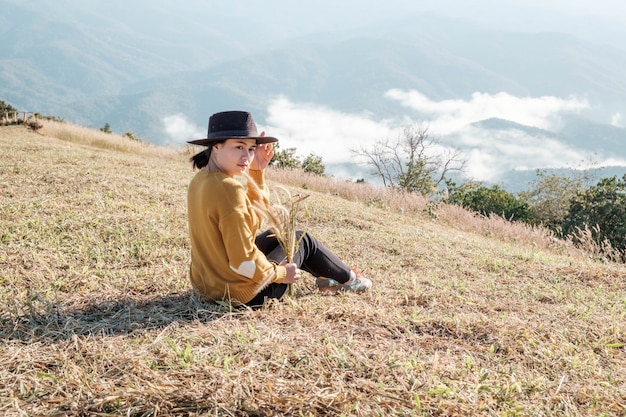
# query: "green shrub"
(6, 107)
(285, 159)
(106, 128)
(602, 209)
(549, 197)
(486, 201)
(313, 164)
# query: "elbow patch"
(246, 269)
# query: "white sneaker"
(357, 283)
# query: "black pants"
(311, 256)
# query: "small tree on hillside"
(285, 159)
(602, 210)
(6, 107)
(550, 195)
(413, 162)
(7, 113)
(313, 164)
(106, 128)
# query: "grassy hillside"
(467, 316)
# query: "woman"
(229, 261)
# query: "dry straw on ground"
(467, 316)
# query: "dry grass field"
(467, 317)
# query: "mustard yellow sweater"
(225, 262)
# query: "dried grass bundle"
(282, 219)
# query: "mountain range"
(106, 63)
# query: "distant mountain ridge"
(495, 123)
(92, 69)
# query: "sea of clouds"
(323, 131)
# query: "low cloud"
(496, 152)
(332, 134)
(322, 131)
(179, 130)
(616, 120)
(451, 116)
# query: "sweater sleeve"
(238, 233)
(259, 190)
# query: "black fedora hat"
(229, 125)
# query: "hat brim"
(209, 141)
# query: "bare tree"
(413, 161)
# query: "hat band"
(232, 133)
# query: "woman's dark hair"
(201, 159)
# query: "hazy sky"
(580, 17)
(609, 9)
(532, 11)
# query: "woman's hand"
(262, 155)
(293, 273)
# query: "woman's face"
(234, 156)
